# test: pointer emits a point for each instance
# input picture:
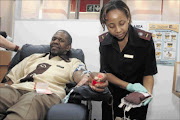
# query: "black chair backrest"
(29, 49)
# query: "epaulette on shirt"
(102, 36)
(143, 34)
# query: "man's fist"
(98, 81)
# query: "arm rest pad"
(86, 93)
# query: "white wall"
(165, 105)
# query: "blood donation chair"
(79, 107)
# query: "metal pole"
(40, 9)
(101, 4)
(77, 9)
(161, 10)
(69, 9)
(18, 8)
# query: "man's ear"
(68, 47)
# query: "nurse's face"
(117, 23)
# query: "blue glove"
(136, 87)
(147, 101)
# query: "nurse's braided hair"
(111, 5)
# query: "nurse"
(127, 55)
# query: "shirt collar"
(62, 57)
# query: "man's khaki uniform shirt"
(55, 72)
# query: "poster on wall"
(165, 38)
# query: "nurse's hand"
(136, 87)
(98, 82)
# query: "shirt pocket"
(128, 64)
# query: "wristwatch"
(6, 84)
(16, 48)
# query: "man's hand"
(2, 84)
(98, 81)
(9, 82)
(136, 87)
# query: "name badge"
(128, 56)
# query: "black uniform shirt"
(136, 60)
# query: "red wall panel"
(83, 4)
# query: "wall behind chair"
(165, 105)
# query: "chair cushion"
(67, 111)
(84, 92)
(29, 49)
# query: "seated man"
(24, 95)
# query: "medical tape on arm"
(82, 82)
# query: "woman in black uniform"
(127, 55)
